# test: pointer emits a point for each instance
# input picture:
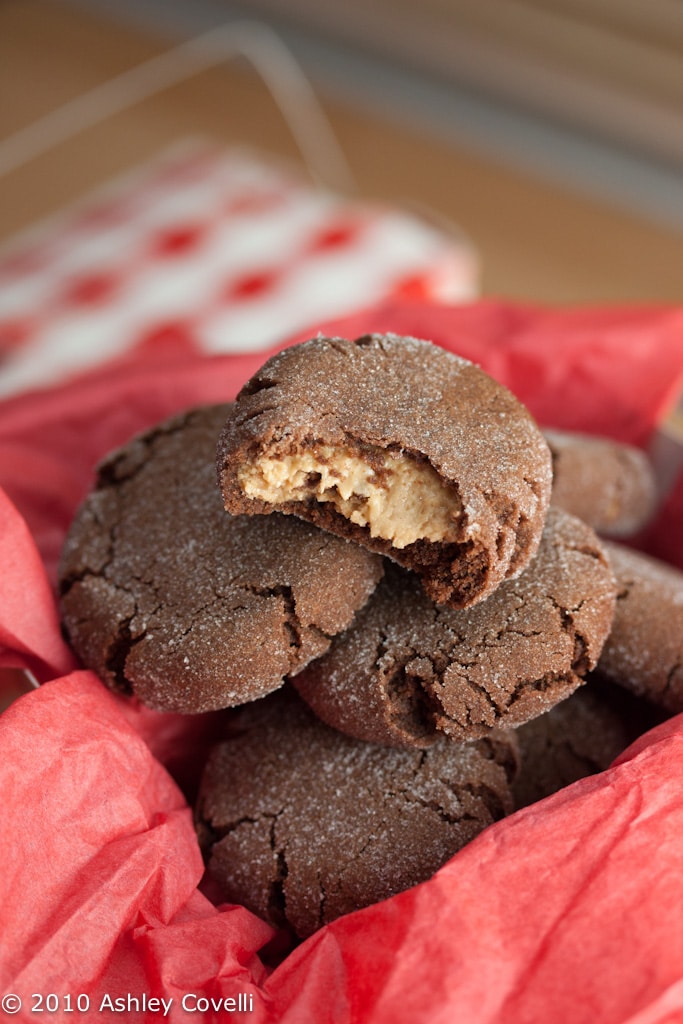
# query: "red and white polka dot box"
(211, 249)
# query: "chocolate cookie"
(303, 824)
(408, 668)
(167, 597)
(611, 486)
(578, 737)
(644, 650)
(399, 446)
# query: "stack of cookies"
(399, 581)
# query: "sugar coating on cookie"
(611, 486)
(408, 669)
(302, 824)
(167, 597)
(400, 446)
(644, 650)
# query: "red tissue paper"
(570, 910)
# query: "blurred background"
(548, 132)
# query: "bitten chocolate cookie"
(610, 486)
(408, 668)
(167, 597)
(399, 446)
(578, 737)
(303, 824)
(644, 650)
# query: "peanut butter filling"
(396, 497)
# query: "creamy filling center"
(397, 498)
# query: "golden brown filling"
(396, 498)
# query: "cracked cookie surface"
(302, 824)
(167, 597)
(408, 669)
(644, 651)
(400, 446)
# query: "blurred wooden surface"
(536, 241)
(609, 67)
